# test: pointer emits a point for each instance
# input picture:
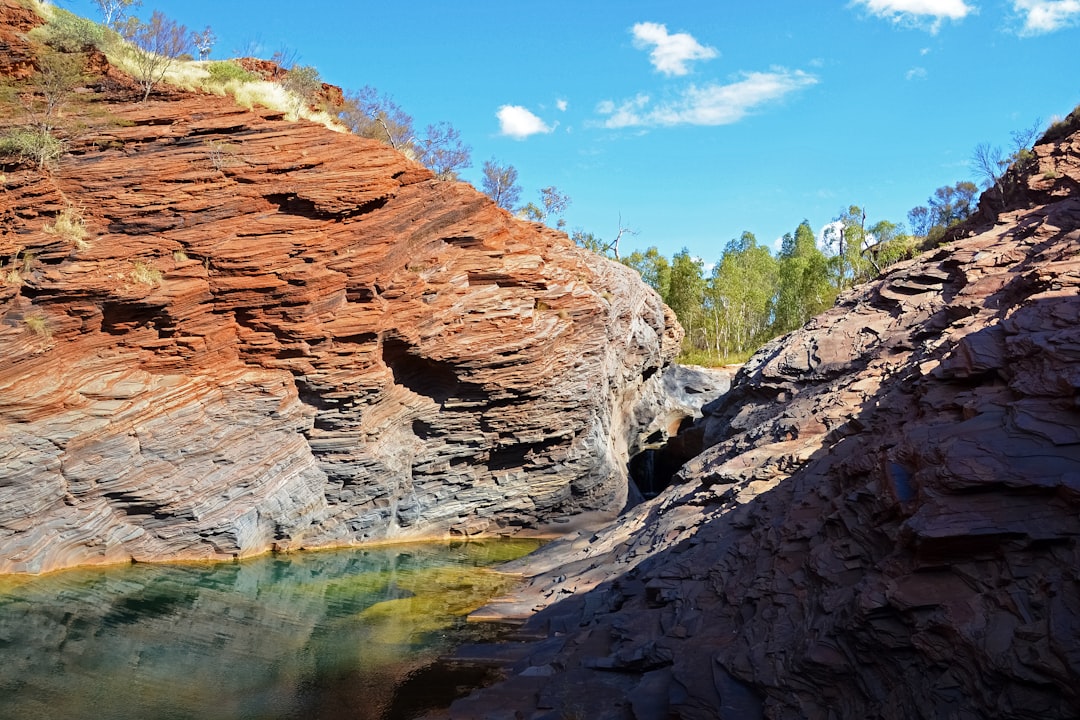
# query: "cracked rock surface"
(885, 522)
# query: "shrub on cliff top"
(67, 32)
(225, 71)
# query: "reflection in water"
(313, 635)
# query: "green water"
(332, 634)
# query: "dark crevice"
(520, 454)
(425, 376)
(293, 204)
(651, 470)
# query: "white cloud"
(928, 14)
(1045, 16)
(670, 53)
(519, 123)
(561, 105)
(711, 104)
(915, 73)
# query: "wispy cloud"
(926, 14)
(712, 104)
(1046, 16)
(915, 73)
(670, 54)
(519, 123)
(561, 105)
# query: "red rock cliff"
(274, 335)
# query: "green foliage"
(225, 71)
(803, 287)
(653, 267)
(948, 206)
(685, 291)
(588, 241)
(1060, 129)
(30, 144)
(553, 205)
(66, 32)
(739, 297)
(304, 83)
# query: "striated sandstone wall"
(274, 335)
(885, 522)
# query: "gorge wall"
(271, 335)
(885, 522)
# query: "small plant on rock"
(30, 144)
(145, 274)
(70, 226)
(38, 325)
(226, 71)
(222, 154)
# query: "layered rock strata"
(222, 332)
(885, 522)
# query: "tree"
(685, 291)
(891, 244)
(554, 204)
(846, 235)
(113, 12)
(991, 163)
(204, 42)
(589, 241)
(56, 79)
(371, 114)
(304, 83)
(953, 204)
(653, 267)
(919, 217)
(442, 151)
(156, 45)
(739, 297)
(500, 184)
(804, 288)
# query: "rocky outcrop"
(223, 332)
(885, 522)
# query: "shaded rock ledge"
(884, 524)
(277, 336)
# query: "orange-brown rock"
(885, 522)
(274, 335)
(17, 61)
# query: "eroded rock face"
(273, 335)
(885, 523)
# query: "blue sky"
(692, 121)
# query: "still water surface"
(332, 634)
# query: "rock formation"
(222, 332)
(885, 522)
